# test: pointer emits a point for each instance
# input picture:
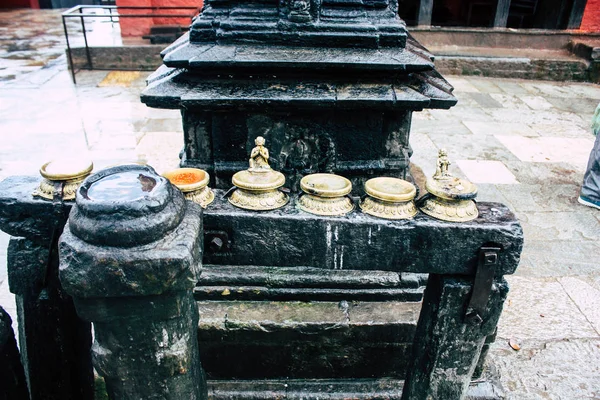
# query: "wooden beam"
(501, 16)
(425, 12)
(576, 14)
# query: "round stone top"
(451, 188)
(66, 169)
(258, 181)
(125, 206)
(326, 185)
(390, 189)
(188, 179)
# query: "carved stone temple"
(330, 84)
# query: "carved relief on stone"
(299, 10)
(305, 152)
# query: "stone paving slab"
(548, 310)
(557, 370)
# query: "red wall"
(141, 26)
(591, 16)
(19, 4)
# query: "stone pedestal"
(130, 257)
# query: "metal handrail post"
(69, 55)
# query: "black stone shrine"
(330, 84)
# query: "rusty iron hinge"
(482, 287)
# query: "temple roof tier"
(177, 88)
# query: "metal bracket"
(216, 242)
(482, 287)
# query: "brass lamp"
(193, 183)
(325, 194)
(449, 198)
(62, 178)
(258, 186)
(389, 198)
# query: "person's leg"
(590, 190)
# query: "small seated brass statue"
(259, 156)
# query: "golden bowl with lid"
(325, 194)
(257, 188)
(193, 183)
(389, 198)
(450, 198)
(62, 178)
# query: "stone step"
(306, 284)
(558, 65)
(306, 340)
(355, 389)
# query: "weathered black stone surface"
(289, 237)
(306, 284)
(126, 220)
(363, 23)
(23, 215)
(90, 271)
(12, 376)
(137, 291)
(55, 343)
(326, 389)
(313, 340)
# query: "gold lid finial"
(441, 172)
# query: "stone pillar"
(12, 376)
(129, 256)
(447, 345)
(54, 342)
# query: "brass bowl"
(62, 177)
(451, 200)
(193, 183)
(450, 210)
(258, 190)
(325, 194)
(258, 201)
(389, 198)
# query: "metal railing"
(114, 15)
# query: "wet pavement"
(525, 143)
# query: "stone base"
(305, 340)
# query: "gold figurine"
(259, 156)
(449, 198)
(258, 186)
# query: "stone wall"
(591, 16)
